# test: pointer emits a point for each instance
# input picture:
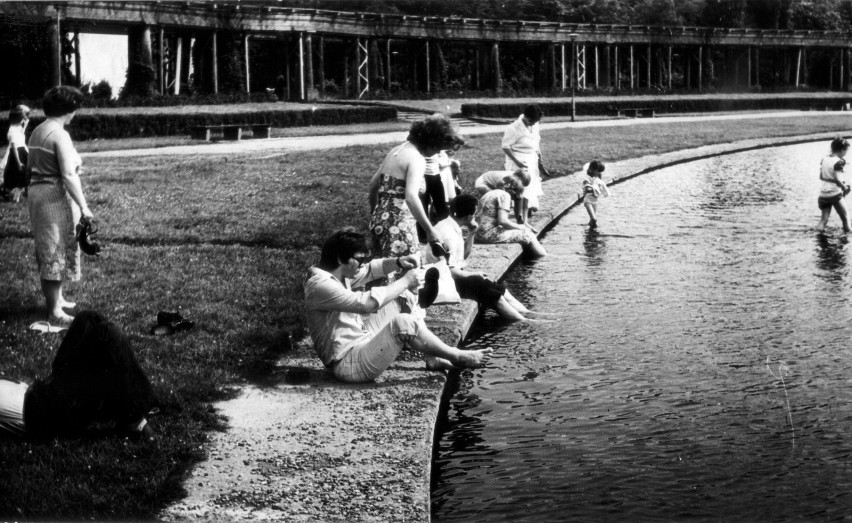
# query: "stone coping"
(314, 449)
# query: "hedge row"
(93, 124)
(701, 104)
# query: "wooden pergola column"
(631, 60)
(247, 62)
(215, 62)
(496, 77)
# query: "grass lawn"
(227, 240)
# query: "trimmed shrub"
(702, 104)
(93, 124)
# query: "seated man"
(95, 377)
(474, 286)
(358, 334)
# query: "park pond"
(700, 367)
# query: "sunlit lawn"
(226, 239)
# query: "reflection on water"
(657, 394)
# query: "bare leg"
(429, 344)
(593, 215)
(505, 309)
(534, 249)
(823, 221)
(52, 291)
(840, 207)
(519, 209)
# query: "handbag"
(543, 170)
(447, 293)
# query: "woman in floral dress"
(396, 186)
(492, 215)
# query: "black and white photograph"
(425, 260)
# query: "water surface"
(703, 302)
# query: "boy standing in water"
(593, 188)
(833, 189)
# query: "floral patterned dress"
(392, 224)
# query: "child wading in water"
(593, 188)
(833, 189)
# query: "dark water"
(651, 398)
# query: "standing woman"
(522, 145)
(396, 186)
(56, 200)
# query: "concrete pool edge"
(319, 450)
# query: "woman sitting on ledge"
(495, 225)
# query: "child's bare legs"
(52, 291)
(521, 209)
(592, 209)
(840, 207)
(823, 221)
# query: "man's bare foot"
(59, 318)
(435, 363)
(471, 359)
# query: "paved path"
(307, 143)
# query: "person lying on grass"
(95, 378)
(470, 285)
(359, 333)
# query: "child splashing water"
(833, 189)
(594, 188)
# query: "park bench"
(229, 131)
(637, 112)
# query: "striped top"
(44, 145)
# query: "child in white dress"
(594, 188)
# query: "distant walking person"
(833, 189)
(593, 189)
(55, 198)
(522, 146)
(14, 175)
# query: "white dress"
(525, 145)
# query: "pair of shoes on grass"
(170, 323)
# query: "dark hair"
(434, 132)
(464, 205)
(523, 175)
(61, 100)
(513, 186)
(533, 112)
(18, 113)
(341, 246)
(839, 144)
(596, 165)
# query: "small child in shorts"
(14, 175)
(593, 188)
(833, 189)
